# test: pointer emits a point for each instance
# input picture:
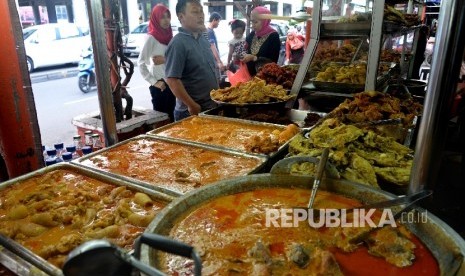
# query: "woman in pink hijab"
(295, 44)
(152, 60)
(263, 44)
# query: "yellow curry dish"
(55, 212)
(243, 136)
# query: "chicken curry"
(53, 213)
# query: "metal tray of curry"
(47, 213)
(170, 166)
(238, 241)
(232, 134)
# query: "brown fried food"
(254, 91)
(290, 131)
(262, 143)
(272, 73)
(372, 106)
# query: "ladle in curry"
(409, 202)
(100, 257)
(408, 199)
(318, 176)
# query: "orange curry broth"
(224, 133)
(361, 263)
(72, 191)
(227, 227)
(173, 166)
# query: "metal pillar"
(20, 145)
(70, 12)
(309, 52)
(36, 12)
(374, 47)
(442, 84)
(102, 65)
(51, 12)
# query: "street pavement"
(62, 71)
(53, 74)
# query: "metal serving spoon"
(100, 257)
(319, 175)
(409, 201)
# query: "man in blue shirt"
(190, 68)
(214, 21)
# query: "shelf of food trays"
(169, 165)
(305, 119)
(48, 212)
(359, 24)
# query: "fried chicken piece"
(337, 137)
(290, 131)
(395, 175)
(262, 143)
(364, 169)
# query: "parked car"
(133, 42)
(54, 44)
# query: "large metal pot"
(446, 245)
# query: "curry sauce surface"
(53, 213)
(230, 134)
(173, 166)
(226, 229)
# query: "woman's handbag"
(242, 75)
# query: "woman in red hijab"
(152, 60)
(263, 44)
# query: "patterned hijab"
(161, 35)
(266, 28)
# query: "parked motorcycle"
(86, 76)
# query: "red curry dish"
(230, 235)
(177, 167)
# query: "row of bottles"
(60, 153)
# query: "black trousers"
(163, 101)
(296, 56)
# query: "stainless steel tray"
(286, 116)
(271, 103)
(172, 192)
(339, 87)
(23, 261)
(156, 132)
(298, 117)
(363, 26)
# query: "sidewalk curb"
(54, 75)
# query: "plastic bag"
(242, 75)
